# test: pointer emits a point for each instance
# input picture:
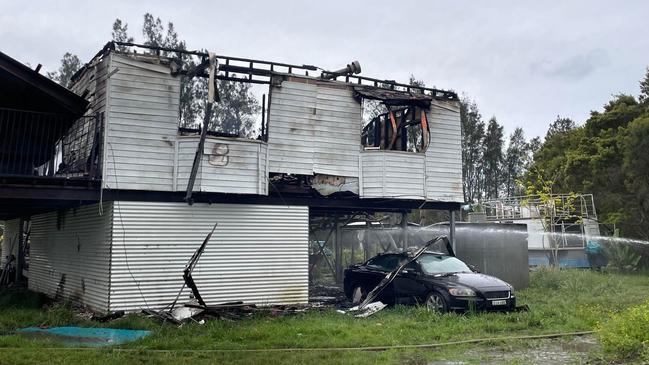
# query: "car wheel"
(358, 294)
(435, 302)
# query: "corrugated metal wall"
(142, 125)
(244, 173)
(69, 254)
(495, 249)
(444, 154)
(314, 129)
(258, 253)
(9, 240)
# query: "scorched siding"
(142, 124)
(69, 255)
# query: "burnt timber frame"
(260, 71)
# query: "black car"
(441, 282)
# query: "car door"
(376, 269)
(408, 285)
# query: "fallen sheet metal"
(366, 311)
(86, 337)
(182, 313)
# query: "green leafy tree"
(560, 126)
(70, 64)
(120, 34)
(473, 134)
(644, 88)
(493, 159)
(636, 172)
(514, 163)
(605, 157)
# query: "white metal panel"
(258, 253)
(290, 128)
(444, 154)
(244, 172)
(314, 129)
(9, 240)
(393, 174)
(69, 255)
(337, 132)
(142, 123)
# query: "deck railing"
(45, 144)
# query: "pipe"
(350, 69)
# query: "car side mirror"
(474, 268)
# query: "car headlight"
(461, 292)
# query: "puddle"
(84, 337)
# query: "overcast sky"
(523, 61)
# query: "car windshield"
(439, 264)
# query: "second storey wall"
(142, 125)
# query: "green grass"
(560, 301)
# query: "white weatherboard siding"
(244, 173)
(337, 127)
(314, 129)
(290, 128)
(258, 253)
(405, 175)
(444, 154)
(142, 123)
(70, 255)
(393, 174)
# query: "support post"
(366, 240)
(339, 250)
(451, 234)
(20, 258)
(404, 230)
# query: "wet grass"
(560, 301)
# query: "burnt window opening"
(240, 111)
(397, 128)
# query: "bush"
(626, 334)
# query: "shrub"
(626, 334)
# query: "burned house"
(125, 191)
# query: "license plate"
(498, 302)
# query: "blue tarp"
(82, 336)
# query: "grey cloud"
(574, 67)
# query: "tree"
(560, 126)
(120, 34)
(235, 113)
(515, 161)
(533, 147)
(493, 159)
(70, 64)
(152, 30)
(473, 134)
(636, 169)
(605, 157)
(644, 88)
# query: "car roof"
(404, 252)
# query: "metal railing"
(569, 206)
(44, 144)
